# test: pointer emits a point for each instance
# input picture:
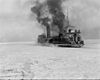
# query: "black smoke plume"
(53, 8)
(54, 5)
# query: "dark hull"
(60, 42)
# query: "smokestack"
(46, 22)
(48, 31)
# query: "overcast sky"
(16, 25)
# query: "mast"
(67, 17)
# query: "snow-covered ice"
(27, 60)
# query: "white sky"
(85, 14)
(6, 6)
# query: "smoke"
(54, 4)
(48, 10)
(82, 14)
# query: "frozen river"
(26, 60)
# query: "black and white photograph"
(49, 39)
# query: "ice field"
(28, 60)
